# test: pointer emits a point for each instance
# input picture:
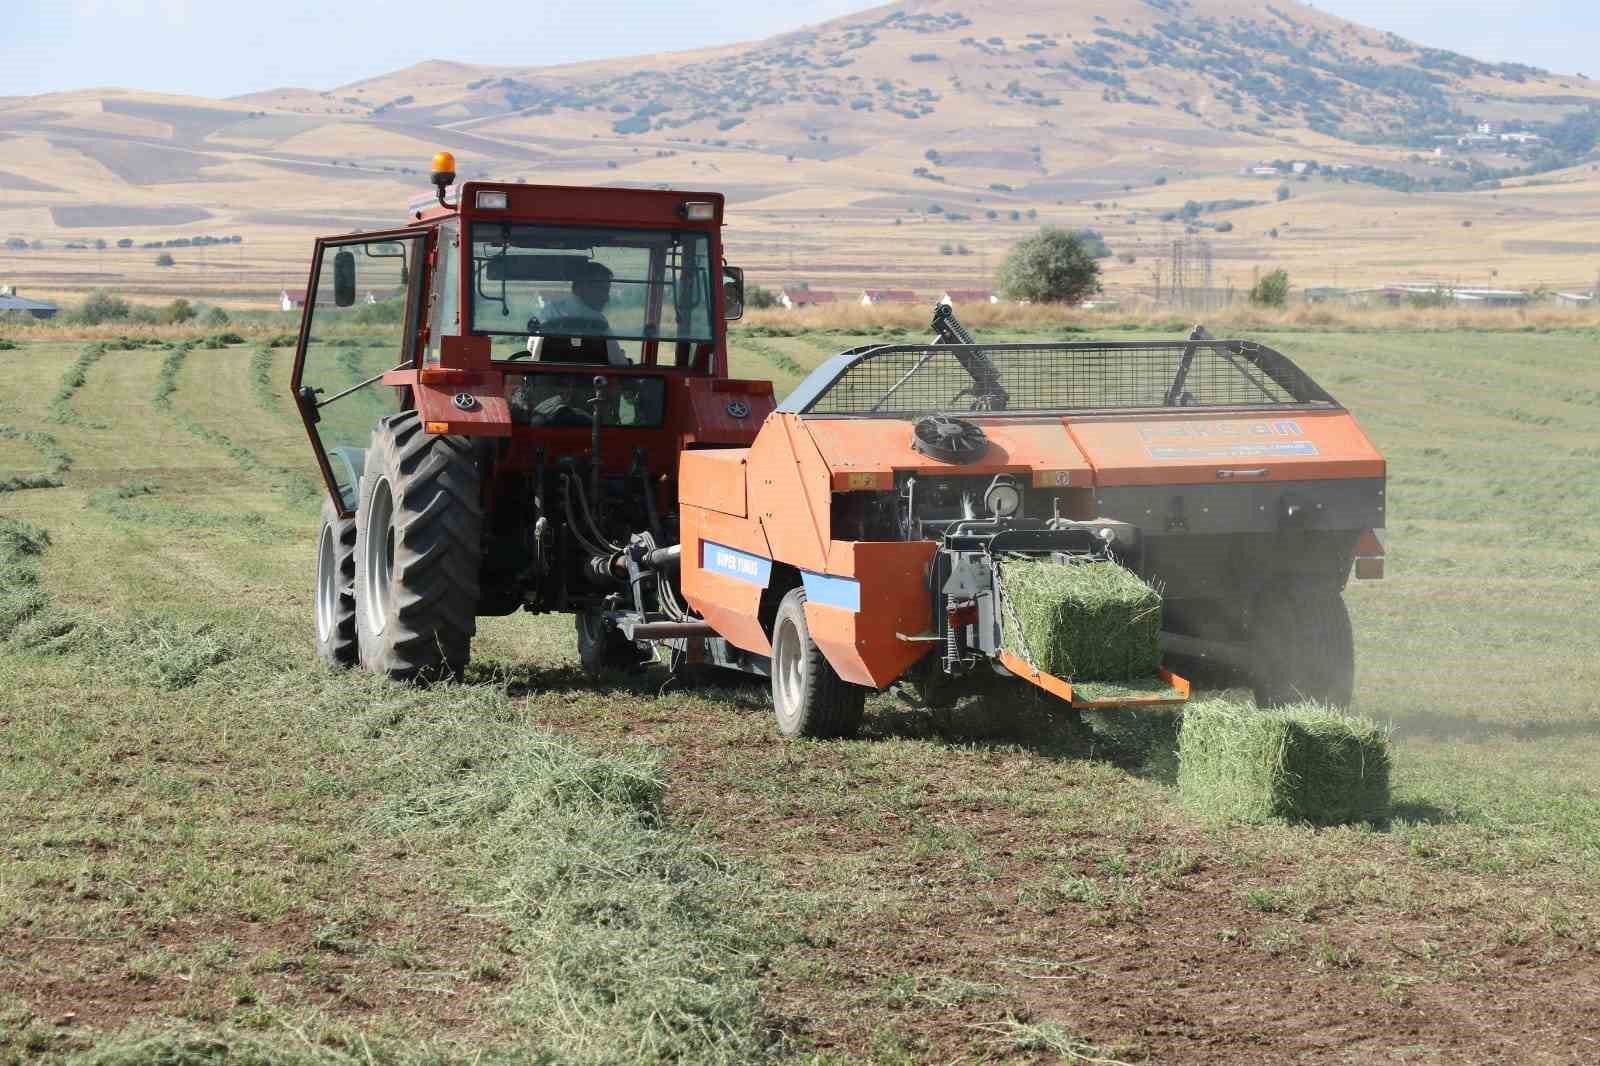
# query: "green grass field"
(214, 850)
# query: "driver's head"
(592, 286)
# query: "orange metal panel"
(1195, 449)
(730, 605)
(714, 478)
(883, 445)
(863, 646)
(791, 493)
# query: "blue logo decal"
(731, 562)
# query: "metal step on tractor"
(520, 401)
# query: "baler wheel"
(808, 697)
(417, 553)
(335, 590)
(601, 648)
(1303, 648)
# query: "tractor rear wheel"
(418, 549)
(1302, 648)
(601, 648)
(808, 697)
(335, 592)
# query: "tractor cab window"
(574, 294)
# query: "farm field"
(210, 845)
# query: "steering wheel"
(555, 410)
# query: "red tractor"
(564, 436)
(551, 353)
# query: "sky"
(226, 48)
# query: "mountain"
(876, 147)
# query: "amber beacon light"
(444, 173)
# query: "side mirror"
(344, 278)
(732, 293)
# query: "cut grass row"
(609, 934)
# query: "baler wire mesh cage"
(908, 379)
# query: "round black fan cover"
(950, 440)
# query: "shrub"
(165, 260)
(1052, 266)
(216, 317)
(1271, 290)
(102, 306)
(759, 298)
(1284, 192)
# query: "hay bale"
(1081, 620)
(1305, 763)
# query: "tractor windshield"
(583, 282)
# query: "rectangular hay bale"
(1306, 763)
(1081, 620)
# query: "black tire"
(808, 698)
(419, 525)
(1302, 648)
(601, 649)
(335, 589)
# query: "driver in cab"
(583, 311)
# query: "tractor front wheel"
(1302, 648)
(808, 697)
(417, 552)
(601, 648)
(335, 592)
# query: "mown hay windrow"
(1305, 763)
(1081, 620)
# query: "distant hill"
(978, 119)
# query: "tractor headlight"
(1003, 498)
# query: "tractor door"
(362, 307)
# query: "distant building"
(1266, 172)
(1492, 297)
(11, 303)
(792, 298)
(1323, 294)
(1575, 299)
(959, 297)
(292, 301)
(873, 297)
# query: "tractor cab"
(498, 312)
(560, 346)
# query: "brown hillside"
(872, 148)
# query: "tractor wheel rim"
(379, 561)
(327, 584)
(790, 672)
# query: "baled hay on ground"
(1305, 763)
(1082, 620)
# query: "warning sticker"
(1226, 440)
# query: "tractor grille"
(913, 379)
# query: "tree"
(126, 242)
(1052, 266)
(216, 317)
(100, 244)
(178, 312)
(165, 260)
(1271, 290)
(758, 298)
